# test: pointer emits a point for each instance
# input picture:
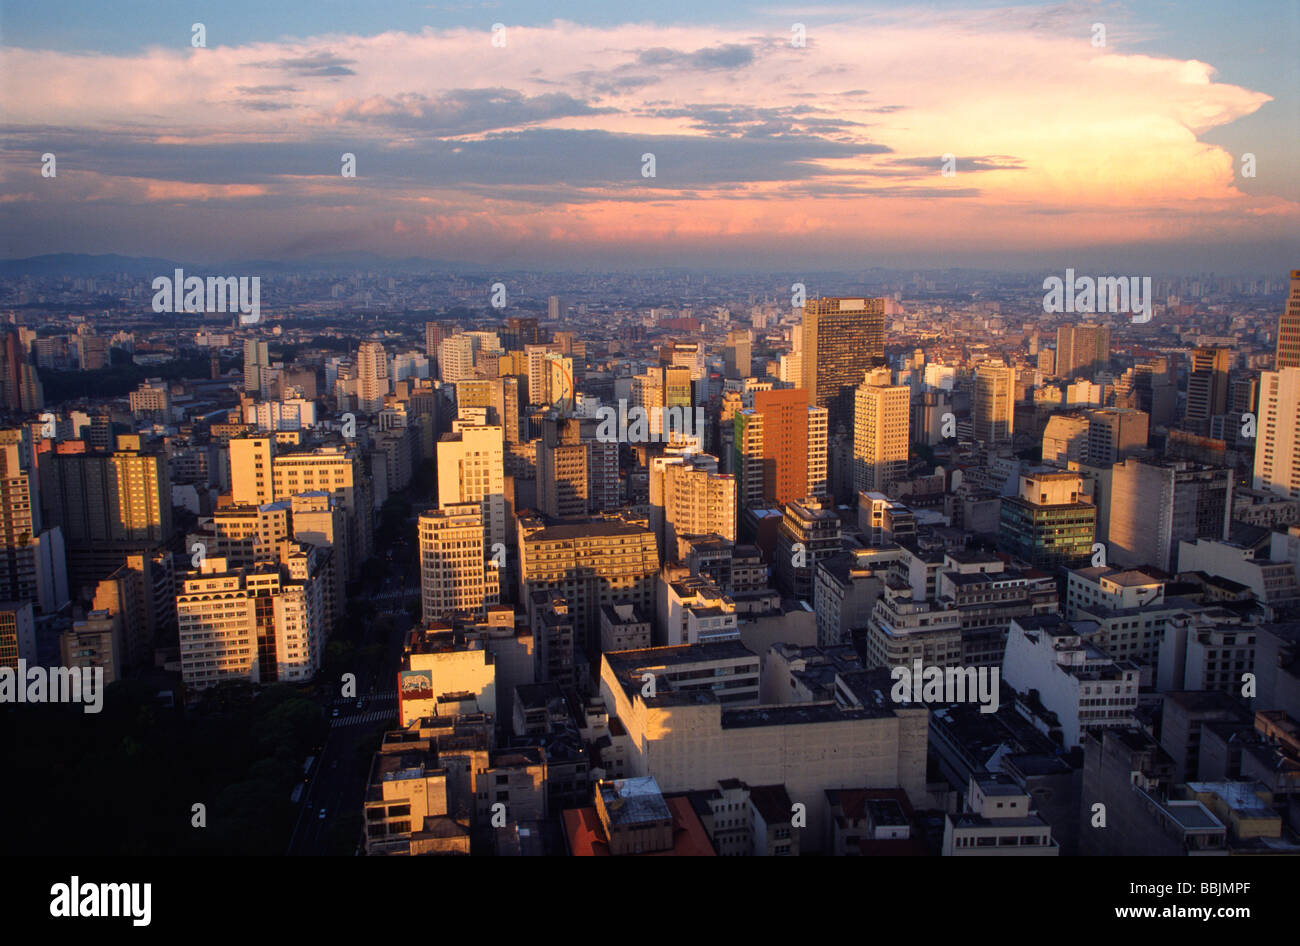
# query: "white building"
(1084, 687)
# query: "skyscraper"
(736, 355)
(1277, 447)
(1082, 350)
(842, 339)
(256, 358)
(372, 377)
(882, 414)
(1207, 387)
(1288, 328)
(780, 449)
(994, 405)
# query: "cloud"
(837, 145)
(317, 65)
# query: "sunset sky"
(1123, 158)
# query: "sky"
(1089, 135)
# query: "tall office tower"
(592, 563)
(993, 409)
(338, 471)
(11, 369)
(261, 624)
(1082, 350)
(434, 335)
(1154, 505)
(252, 480)
(780, 449)
(33, 565)
(1277, 447)
(881, 417)
(256, 357)
(553, 308)
(1049, 523)
(842, 339)
(563, 467)
(471, 469)
(19, 382)
(107, 504)
(457, 574)
(736, 355)
(690, 498)
(1288, 328)
(1207, 387)
(372, 377)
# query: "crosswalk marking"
(371, 717)
(369, 697)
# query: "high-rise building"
(107, 503)
(471, 469)
(457, 576)
(1154, 505)
(881, 419)
(19, 383)
(1288, 328)
(256, 358)
(736, 354)
(780, 449)
(1207, 387)
(842, 339)
(261, 624)
(809, 532)
(563, 466)
(434, 333)
(690, 498)
(1277, 447)
(372, 377)
(252, 480)
(499, 395)
(339, 471)
(993, 410)
(1082, 350)
(592, 563)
